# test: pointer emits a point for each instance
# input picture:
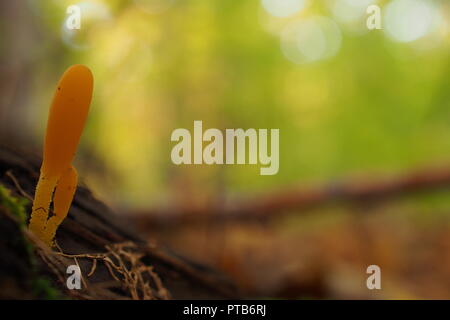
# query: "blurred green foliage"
(377, 106)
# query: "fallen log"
(273, 205)
(116, 263)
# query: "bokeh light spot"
(311, 40)
(283, 8)
(409, 20)
(348, 11)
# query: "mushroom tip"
(80, 69)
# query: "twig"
(17, 185)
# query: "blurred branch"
(276, 204)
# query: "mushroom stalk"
(58, 178)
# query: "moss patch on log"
(16, 207)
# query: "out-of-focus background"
(364, 117)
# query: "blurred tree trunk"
(18, 33)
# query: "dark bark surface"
(122, 264)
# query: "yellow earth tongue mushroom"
(68, 113)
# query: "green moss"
(41, 286)
(15, 205)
